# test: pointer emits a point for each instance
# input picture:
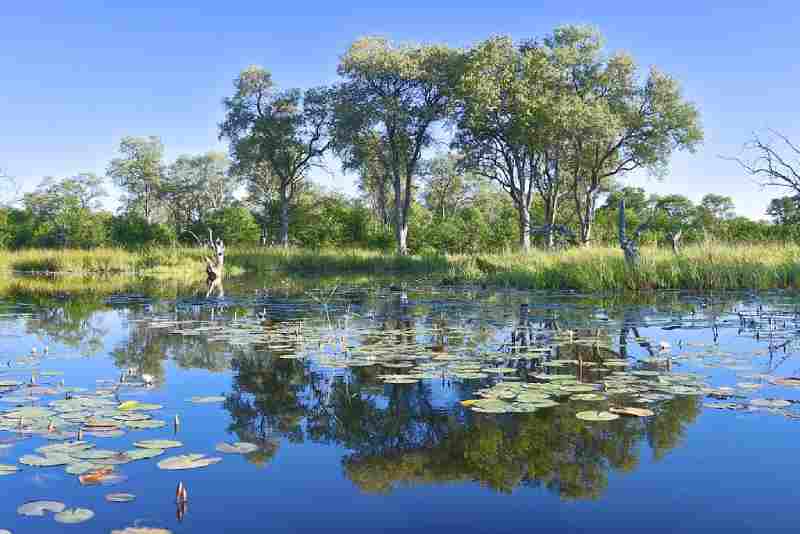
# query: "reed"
(707, 266)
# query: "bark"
(284, 233)
(524, 226)
(215, 268)
(628, 245)
(675, 241)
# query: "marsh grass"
(709, 266)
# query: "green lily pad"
(40, 508)
(8, 469)
(237, 448)
(149, 424)
(143, 454)
(592, 415)
(770, 403)
(79, 468)
(74, 515)
(187, 461)
(158, 444)
(50, 460)
(120, 497)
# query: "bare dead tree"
(630, 245)
(215, 268)
(776, 162)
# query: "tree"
(139, 173)
(511, 127)
(61, 212)
(446, 188)
(194, 186)
(286, 130)
(775, 161)
(614, 124)
(393, 96)
(784, 210)
(719, 207)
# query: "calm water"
(340, 450)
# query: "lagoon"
(410, 409)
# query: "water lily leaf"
(634, 412)
(94, 454)
(149, 424)
(120, 497)
(39, 508)
(587, 397)
(187, 461)
(67, 448)
(237, 448)
(206, 400)
(596, 416)
(143, 454)
(770, 403)
(158, 444)
(74, 515)
(79, 468)
(50, 460)
(8, 469)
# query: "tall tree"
(615, 124)
(139, 173)
(393, 95)
(194, 186)
(509, 127)
(446, 187)
(784, 210)
(287, 130)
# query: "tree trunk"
(215, 268)
(401, 234)
(628, 245)
(284, 234)
(524, 226)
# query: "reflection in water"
(398, 435)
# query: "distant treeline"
(502, 145)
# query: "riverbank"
(594, 269)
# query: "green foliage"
(139, 173)
(235, 225)
(132, 230)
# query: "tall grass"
(708, 266)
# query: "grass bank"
(595, 269)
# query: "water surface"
(304, 377)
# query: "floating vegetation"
(41, 508)
(8, 469)
(158, 444)
(187, 461)
(237, 448)
(120, 497)
(74, 515)
(596, 416)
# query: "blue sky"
(78, 75)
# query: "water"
(340, 450)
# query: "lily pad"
(8, 469)
(596, 416)
(634, 412)
(143, 454)
(237, 448)
(40, 508)
(50, 460)
(187, 461)
(120, 497)
(158, 444)
(74, 515)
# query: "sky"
(79, 75)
